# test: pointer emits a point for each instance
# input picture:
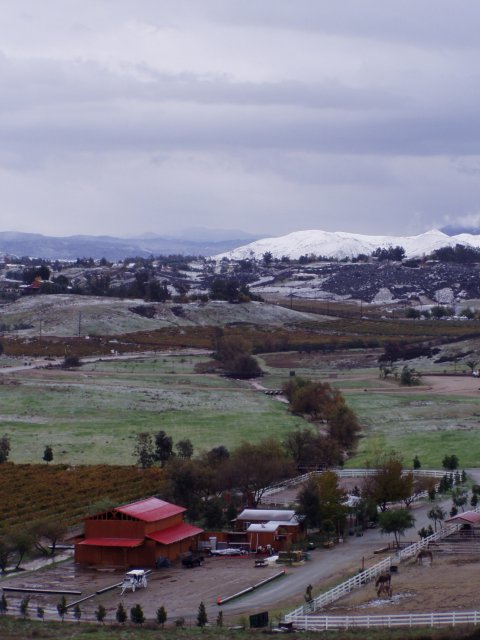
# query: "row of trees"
(321, 402)
(137, 615)
(43, 535)
(205, 484)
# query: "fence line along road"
(341, 473)
(326, 623)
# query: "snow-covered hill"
(346, 245)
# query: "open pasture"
(440, 416)
(91, 415)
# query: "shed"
(275, 527)
(470, 519)
(136, 534)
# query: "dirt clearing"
(451, 583)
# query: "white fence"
(325, 623)
(341, 473)
(299, 615)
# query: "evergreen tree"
(202, 616)
(24, 606)
(41, 613)
(100, 613)
(48, 454)
(136, 614)
(161, 615)
(62, 607)
(3, 605)
(121, 614)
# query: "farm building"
(275, 527)
(139, 534)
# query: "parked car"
(191, 560)
(229, 551)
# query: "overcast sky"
(122, 117)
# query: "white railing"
(341, 473)
(325, 623)
(365, 576)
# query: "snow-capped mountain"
(340, 245)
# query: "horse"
(424, 554)
(383, 584)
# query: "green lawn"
(92, 415)
(426, 425)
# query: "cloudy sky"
(128, 116)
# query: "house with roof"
(275, 527)
(137, 534)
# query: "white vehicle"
(230, 551)
(134, 580)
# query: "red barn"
(136, 534)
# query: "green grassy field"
(426, 425)
(91, 415)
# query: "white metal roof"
(267, 515)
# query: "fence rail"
(365, 576)
(325, 623)
(341, 473)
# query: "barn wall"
(114, 529)
(127, 557)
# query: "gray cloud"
(123, 117)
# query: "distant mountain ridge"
(36, 245)
(339, 245)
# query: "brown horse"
(424, 554)
(383, 584)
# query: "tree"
(71, 361)
(77, 612)
(450, 463)
(41, 613)
(136, 614)
(48, 454)
(202, 616)
(143, 450)
(416, 463)
(7, 550)
(163, 447)
(235, 355)
(161, 615)
(4, 448)
(409, 377)
(213, 514)
(185, 448)
(460, 497)
(321, 502)
(22, 542)
(3, 604)
(253, 467)
(396, 521)
(24, 603)
(267, 258)
(121, 614)
(309, 449)
(48, 530)
(437, 514)
(62, 607)
(100, 613)
(388, 483)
